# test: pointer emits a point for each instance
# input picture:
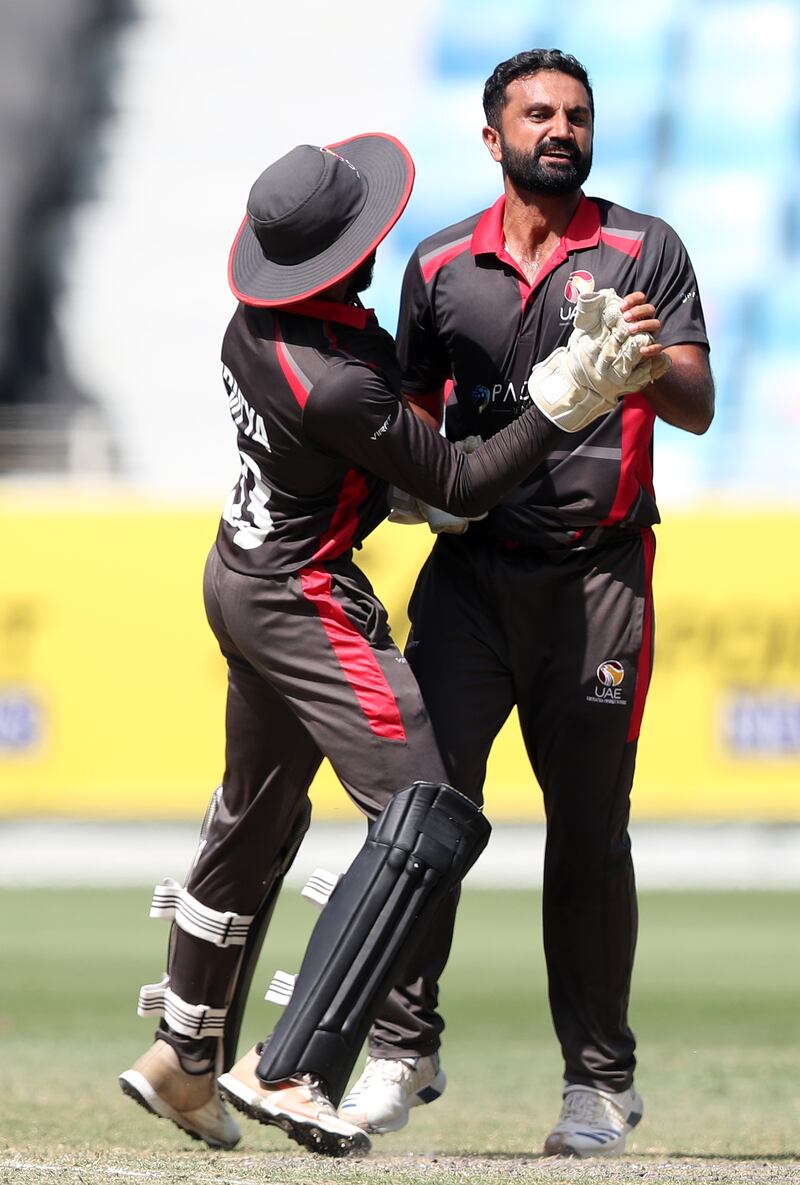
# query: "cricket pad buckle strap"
(193, 1020)
(176, 904)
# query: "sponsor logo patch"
(481, 398)
(503, 396)
(383, 428)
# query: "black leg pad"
(419, 847)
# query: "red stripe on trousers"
(356, 658)
(645, 663)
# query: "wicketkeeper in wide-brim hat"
(315, 214)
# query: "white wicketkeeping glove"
(403, 508)
(600, 363)
(407, 510)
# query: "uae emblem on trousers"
(610, 675)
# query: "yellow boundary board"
(112, 689)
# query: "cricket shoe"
(594, 1122)
(298, 1106)
(160, 1084)
(388, 1088)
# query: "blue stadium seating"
(698, 121)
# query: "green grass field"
(716, 1009)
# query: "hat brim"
(387, 167)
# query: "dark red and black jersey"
(468, 315)
(314, 390)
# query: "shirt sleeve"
(352, 412)
(424, 362)
(667, 278)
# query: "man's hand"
(610, 353)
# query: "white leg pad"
(176, 904)
(281, 988)
(193, 1020)
(320, 885)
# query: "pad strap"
(319, 886)
(193, 1020)
(176, 904)
(281, 988)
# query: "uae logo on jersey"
(608, 688)
(578, 283)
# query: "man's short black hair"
(531, 61)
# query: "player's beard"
(361, 278)
(526, 171)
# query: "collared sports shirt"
(469, 315)
(314, 392)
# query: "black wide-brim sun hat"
(315, 214)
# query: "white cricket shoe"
(388, 1088)
(299, 1107)
(594, 1122)
(159, 1083)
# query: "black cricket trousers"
(566, 637)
